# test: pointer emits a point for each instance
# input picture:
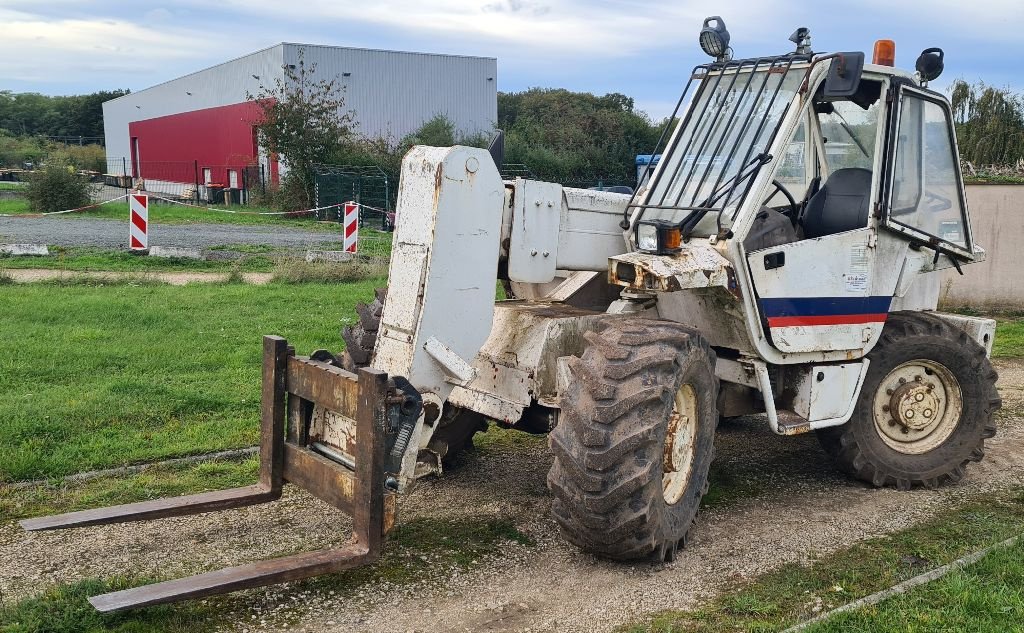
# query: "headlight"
(658, 236)
(715, 39)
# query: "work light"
(714, 40)
(658, 236)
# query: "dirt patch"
(799, 508)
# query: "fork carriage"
(292, 386)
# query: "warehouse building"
(200, 128)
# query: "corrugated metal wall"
(392, 93)
(221, 85)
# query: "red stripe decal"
(837, 319)
(138, 222)
(141, 200)
(136, 243)
(350, 229)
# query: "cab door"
(923, 193)
(830, 290)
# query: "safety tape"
(184, 204)
(290, 213)
(40, 215)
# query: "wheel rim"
(917, 406)
(679, 445)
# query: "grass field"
(1009, 341)
(986, 597)
(796, 592)
(161, 213)
(102, 375)
(84, 258)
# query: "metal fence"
(184, 181)
(370, 186)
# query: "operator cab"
(830, 165)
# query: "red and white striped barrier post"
(138, 231)
(351, 242)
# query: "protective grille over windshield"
(711, 160)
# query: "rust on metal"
(307, 380)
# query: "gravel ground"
(803, 508)
(106, 233)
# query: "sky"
(641, 49)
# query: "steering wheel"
(936, 202)
(794, 209)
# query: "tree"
(31, 114)
(572, 136)
(302, 120)
(989, 122)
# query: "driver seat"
(842, 204)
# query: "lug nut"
(918, 379)
(905, 430)
(885, 408)
(903, 381)
(888, 392)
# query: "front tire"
(925, 410)
(635, 440)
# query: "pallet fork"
(290, 384)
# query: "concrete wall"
(997, 222)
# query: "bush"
(87, 157)
(56, 187)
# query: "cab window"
(925, 180)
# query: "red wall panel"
(218, 138)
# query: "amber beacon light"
(885, 53)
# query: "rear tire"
(926, 408)
(635, 440)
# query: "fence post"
(124, 172)
(195, 167)
(243, 195)
(263, 180)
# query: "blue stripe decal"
(825, 306)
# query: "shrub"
(87, 157)
(56, 187)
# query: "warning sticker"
(857, 277)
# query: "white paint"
(826, 395)
(536, 217)
(175, 251)
(24, 249)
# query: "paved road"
(106, 233)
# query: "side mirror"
(843, 78)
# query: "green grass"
(986, 597)
(155, 482)
(97, 376)
(83, 258)
(791, 593)
(1009, 341)
(64, 609)
(11, 186)
(161, 213)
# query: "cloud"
(35, 49)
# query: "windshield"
(713, 159)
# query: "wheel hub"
(917, 406)
(679, 451)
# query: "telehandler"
(783, 258)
